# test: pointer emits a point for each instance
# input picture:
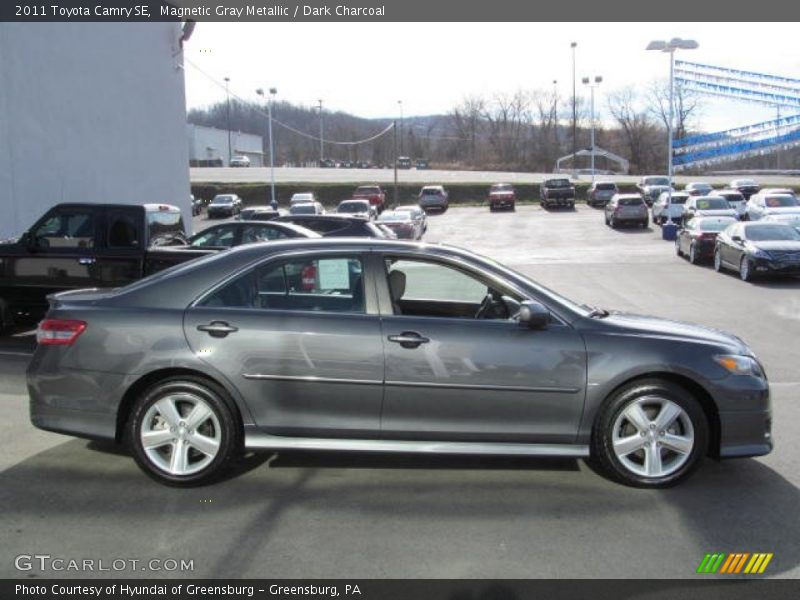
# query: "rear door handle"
(409, 339)
(218, 329)
(86, 260)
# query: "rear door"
(120, 260)
(300, 337)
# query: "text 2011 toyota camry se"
(386, 346)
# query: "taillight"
(308, 278)
(59, 332)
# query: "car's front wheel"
(717, 260)
(650, 434)
(745, 269)
(182, 432)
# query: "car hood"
(776, 245)
(619, 323)
(716, 212)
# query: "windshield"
(656, 181)
(766, 233)
(304, 197)
(780, 201)
(222, 200)
(398, 216)
(712, 203)
(303, 209)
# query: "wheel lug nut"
(652, 426)
(661, 433)
(643, 434)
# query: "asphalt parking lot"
(340, 515)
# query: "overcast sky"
(364, 69)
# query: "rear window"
(353, 207)
(630, 202)
(605, 186)
(303, 209)
(780, 201)
(222, 200)
(712, 203)
(557, 183)
(656, 181)
(678, 199)
(502, 187)
(368, 190)
(163, 224)
(431, 191)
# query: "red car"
(501, 195)
(373, 193)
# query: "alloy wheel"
(653, 437)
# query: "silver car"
(433, 197)
(626, 209)
(386, 346)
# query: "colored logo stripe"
(735, 563)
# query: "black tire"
(693, 255)
(746, 270)
(605, 217)
(6, 318)
(613, 223)
(718, 261)
(645, 223)
(603, 456)
(215, 397)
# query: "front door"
(458, 369)
(300, 340)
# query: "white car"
(672, 212)
(356, 206)
(735, 198)
(240, 161)
(792, 219)
(707, 206)
(767, 203)
(306, 208)
(302, 198)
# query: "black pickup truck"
(557, 191)
(85, 246)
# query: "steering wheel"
(486, 304)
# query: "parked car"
(331, 225)
(669, 207)
(764, 203)
(197, 205)
(417, 214)
(403, 162)
(357, 207)
(600, 192)
(761, 248)
(348, 345)
(735, 198)
(627, 209)
(422, 164)
(76, 246)
(402, 223)
(697, 238)
(501, 195)
(747, 187)
(652, 186)
(347, 164)
(779, 191)
(302, 198)
(260, 213)
(707, 206)
(433, 197)
(698, 188)
(373, 193)
(306, 208)
(224, 205)
(236, 233)
(557, 191)
(240, 161)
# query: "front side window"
(66, 229)
(214, 237)
(316, 284)
(259, 233)
(432, 289)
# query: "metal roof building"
(208, 146)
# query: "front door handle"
(86, 260)
(217, 329)
(409, 339)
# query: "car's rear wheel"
(183, 432)
(717, 260)
(693, 254)
(650, 434)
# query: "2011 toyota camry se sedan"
(386, 346)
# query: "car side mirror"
(534, 315)
(736, 239)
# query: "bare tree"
(686, 103)
(638, 130)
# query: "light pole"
(321, 147)
(574, 111)
(400, 103)
(670, 47)
(228, 111)
(272, 92)
(592, 84)
(555, 116)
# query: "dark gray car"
(387, 346)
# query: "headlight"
(758, 253)
(740, 365)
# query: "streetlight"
(574, 111)
(670, 47)
(555, 115)
(400, 102)
(321, 147)
(228, 110)
(586, 81)
(272, 92)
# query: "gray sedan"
(386, 346)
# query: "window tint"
(330, 284)
(433, 281)
(66, 229)
(631, 201)
(122, 231)
(260, 233)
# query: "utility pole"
(402, 152)
(574, 112)
(395, 163)
(555, 117)
(321, 146)
(228, 110)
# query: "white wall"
(90, 112)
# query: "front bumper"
(774, 267)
